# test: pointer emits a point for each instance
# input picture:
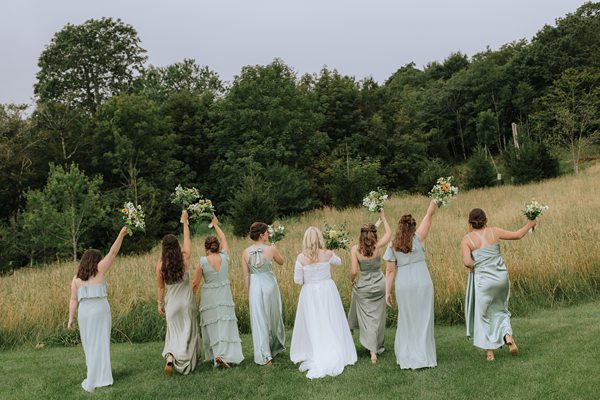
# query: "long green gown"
(266, 321)
(367, 307)
(486, 301)
(182, 340)
(220, 335)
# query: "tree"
(65, 211)
(252, 202)
(85, 64)
(571, 111)
(530, 162)
(481, 172)
(352, 179)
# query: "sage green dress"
(367, 307)
(266, 321)
(220, 335)
(486, 300)
(182, 340)
(415, 343)
(93, 317)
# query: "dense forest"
(108, 128)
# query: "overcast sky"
(359, 38)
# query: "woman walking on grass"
(266, 321)
(182, 345)
(89, 290)
(486, 302)
(367, 307)
(220, 335)
(415, 344)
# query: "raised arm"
(390, 274)
(425, 224)
(220, 234)
(186, 251)
(384, 240)
(245, 271)
(354, 263)
(277, 257)
(516, 235)
(107, 261)
(160, 285)
(72, 303)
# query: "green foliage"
(252, 201)
(85, 64)
(432, 170)
(63, 215)
(481, 172)
(290, 189)
(530, 162)
(352, 180)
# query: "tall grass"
(558, 264)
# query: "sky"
(358, 38)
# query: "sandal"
(222, 363)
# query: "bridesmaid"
(266, 321)
(182, 345)
(367, 308)
(220, 336)
(89, 289)
(414, 344)
(488, 288)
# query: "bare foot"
(269, 364)
(169, 365)
(373, 357)
(490, 355)
(512, 346)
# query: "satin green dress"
(367, 307)
(415, 343)
(93, 317)
(220, 335)
(266, 321)
(486, 301)
(182, 340)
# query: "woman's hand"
(123, 231)
(214, 220)
(184, 217)
(161, 309)
(532, 223)
(70, 325)
(381, 215)
(388, 299)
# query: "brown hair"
(257, 229)
(367, 240)
(88, 266)
(407, 226)
(477, 218)
(212, 244)
(172, 260)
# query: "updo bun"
(212, 244)
(477, 218)
(257, 229)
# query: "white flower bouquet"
(336, 237)
(375, 200)
(443, 191)
(533, 209)
(185, 197)
(201, 210)
(133, 217)
(276, 234)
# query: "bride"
(321, 340)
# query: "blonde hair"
(312, 243)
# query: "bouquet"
(336, 237)
(203, 209)
(374, 201)
(443, 191)
(184, 197)
(133, 218)
(276, 234)
(533, 209)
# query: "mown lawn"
(559, 359)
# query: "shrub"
(480, 171)
(432, 170)
(352, 179)
(531, 162)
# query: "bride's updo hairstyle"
(477, 218)
(88, 266)
(212, 244)
(257, 229)
(367, 239)
(312, 243)
(404, 234)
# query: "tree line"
(108, 128)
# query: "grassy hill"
(558, 264)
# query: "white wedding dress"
(321, 340)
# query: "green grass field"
(559, 359)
